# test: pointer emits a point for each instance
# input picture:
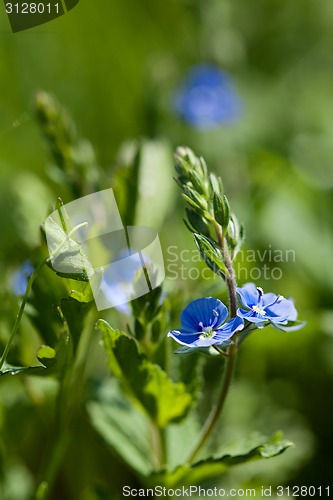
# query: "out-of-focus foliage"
(115, 66)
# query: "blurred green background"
(115, 66)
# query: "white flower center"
(259, 310)
(207, 333)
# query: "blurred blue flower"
(206, 98)
(260, 308)
(20, 278)
(203, 324)
(125, 280)
(118, 281)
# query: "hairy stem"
(231, 353)
(231, 282)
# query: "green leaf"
(122, 427)
(212, 467)
(67, 254)
(198, 182)
(146, 167)
(209, 351)
(126, 183)
(74, 312)
(82, 293)
(198, 224)
(148, 305)
(186, 350)
(196, 198)
(139, 329)
(164, 400)
(54, 361)
(66, 223)
(191, 202)
(47, 356)
(47, 290)
(155, 181)
(211, 254)
(215, 183)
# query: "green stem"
(19, 315)
(219, 350)
(215, 414)
(231, 281)
(163, 454)
(55, 459)
(158, 443)
(230, 355)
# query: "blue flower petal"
(251, 316)
(202, 313)
(283, 308)
(248, 295)
(228, 330)
(277, 320)
(191, 339)
(268, 298)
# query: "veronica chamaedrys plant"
(218, 236)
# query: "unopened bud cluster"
(214, 227)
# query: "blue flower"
(203, 324)
(206, 98)
(260, 308)
(20, 278)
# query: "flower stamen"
(259, 310)
(208, 332)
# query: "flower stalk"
(230, 358)
(217, 409)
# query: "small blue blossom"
(203, 324)
(260, 308)
(20, 278)
(206, 98)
